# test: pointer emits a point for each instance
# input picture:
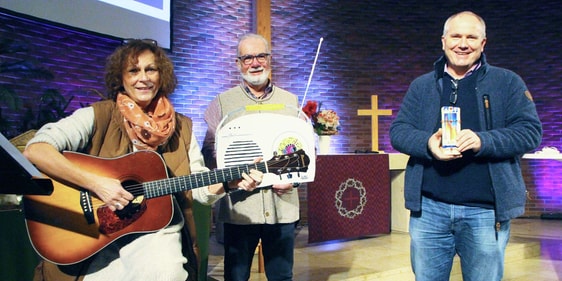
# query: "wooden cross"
(374, 112)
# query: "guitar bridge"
(86, 204)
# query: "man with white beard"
(267, 213)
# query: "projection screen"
(115, 18)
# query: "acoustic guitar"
(71, 224)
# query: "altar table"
(349, 197)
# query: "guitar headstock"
(287, 163)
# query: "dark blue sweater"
(446, 181)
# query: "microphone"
(487, 112)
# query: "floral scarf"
(147, 130)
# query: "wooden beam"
(262, 18)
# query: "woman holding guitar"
(117, 235)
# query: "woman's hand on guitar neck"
(249, 182)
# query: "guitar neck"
(183, 183)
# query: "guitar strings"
(139, 188)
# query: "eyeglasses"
(249, 58)
(131, 40)
(454, 94)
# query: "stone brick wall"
(369, 47)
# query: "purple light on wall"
(546, 181)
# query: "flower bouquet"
(324, 121)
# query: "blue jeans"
(240, 242)
(442, 230)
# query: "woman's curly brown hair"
(128, 53)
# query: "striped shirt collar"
(469, 72)
(267, 91)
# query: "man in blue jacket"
(462, 200)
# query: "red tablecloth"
(349, 198)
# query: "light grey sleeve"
(70, 133)
(197, 165)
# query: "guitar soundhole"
(111, 222)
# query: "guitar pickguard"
(111, 222)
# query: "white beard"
(256, 80)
